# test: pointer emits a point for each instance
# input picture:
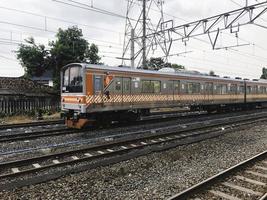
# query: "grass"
(26, 119)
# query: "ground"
(155, 176)
(26, 119)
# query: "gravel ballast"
(155, 176)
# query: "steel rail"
(56, 132)
(216, 178)
(120, 147)
(31, 124)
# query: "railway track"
(244, 181)
(32, 124)
(141, 143)
(64, 131)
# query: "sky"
(20, 19)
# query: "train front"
(73, 95)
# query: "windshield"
(73, 80)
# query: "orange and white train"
(100, 94)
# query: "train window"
(209, 88)
(98, 84)
(217, 89)
(146, 87)
(66, 77)
(156, 85)
(193, 88)
(164, 85)
(241, 89)
(151, 86)
(185, 88)
(223, 89)
(249, 89)
(176, 86)
(136, 85)
(126, 84)
(255, 89)
(233, 89)
(118, 85)
(72, 80)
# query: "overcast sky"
(108, 33)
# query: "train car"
(100, 94)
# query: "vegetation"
(264, 73)
(212, 73)
(70, 46)
(159, 63)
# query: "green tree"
(155, 63)
(33, 58)
(159, 63)
(177, 67)
(69, 47)
(212, 73)
(264, 73)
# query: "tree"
(69, 47)
(212, 73)
(159, 63)
(264, 73)
(177, 67)
(155, 63)
(33, 58)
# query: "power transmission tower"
(143, 17)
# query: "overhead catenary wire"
(59, 19)
(89, 8)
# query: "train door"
(98, 89)
(208, 92)
(176, 91)
(118, 91)
(126, 91)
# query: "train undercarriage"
(104, 119)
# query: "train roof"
(178, 73)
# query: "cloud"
(109, 33)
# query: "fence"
(13, 104)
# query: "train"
(99, 94)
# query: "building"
(45, 79)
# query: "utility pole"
(144, 35)
(132, 49)
(139, 24)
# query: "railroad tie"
(133, 145)
(88, 154)
(55, 161)
(223, 195)
(110, 150)
(15, 170)
(262, 168)
(100, 152)
(257, 174)
(36, 165)
(74, 157)
(250, 181)
(143, 143)
(242, 189)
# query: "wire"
(46, 30)
(58, 19)
(90, 8)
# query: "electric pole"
(144, 35)
(139, 23)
